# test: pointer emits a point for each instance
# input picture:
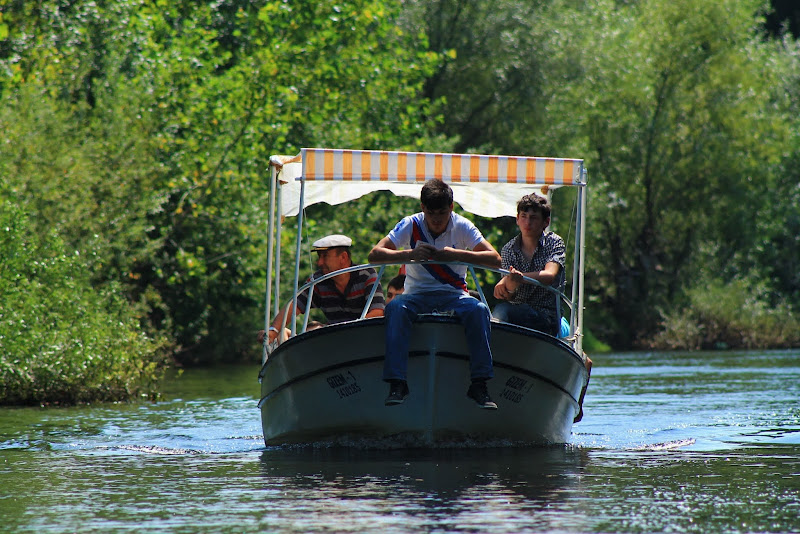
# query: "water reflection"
(662, 448)
(425, 489)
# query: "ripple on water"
(659, 450)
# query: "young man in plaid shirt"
(536, 253)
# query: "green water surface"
(700, 442)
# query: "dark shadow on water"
(444, 474)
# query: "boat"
(324, 386)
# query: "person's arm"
(278, 321)
(386, 252)
(483, 254)
(546, 276)
(283, 315)
(511, 282)
(376, 307)
(502, 290)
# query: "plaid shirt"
(339, 307)
(551, 248)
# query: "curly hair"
(534, 202)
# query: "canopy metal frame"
(552, 173)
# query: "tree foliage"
(63, 339)
(693, 86)
(139, 131)
(686, 117)
(170, 111)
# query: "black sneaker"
(398, 391)
(479, 393)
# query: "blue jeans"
(526, 315)
(401, 312)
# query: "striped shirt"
(339, 307)
(551, 248)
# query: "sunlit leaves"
(141, 130)
(673, 107)
(676, 106)
(63, 340)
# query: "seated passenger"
(342, 297)
(395, 287)
(436, 234)
(536, 253)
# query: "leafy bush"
(62, 340)
(738, 314)
(592, 345)
(152, 126)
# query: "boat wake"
(402, 441)
(666, 446)
(152, 449)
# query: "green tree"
(488, 86)
(684, 114)
(679, 108)
(683, 139)
(159, 118)
(778, 252)
(316, 73)
(63, 340)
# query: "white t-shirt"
(460, 234)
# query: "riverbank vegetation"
(136, 136)
(66, 339)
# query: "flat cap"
(330, 241)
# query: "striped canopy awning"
(375, 165)
(489, 186)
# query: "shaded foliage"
(489, 84)
(784, 15)
(62, 339)
(140, 130)
(172, 110)
(686, 117)
(732, 315)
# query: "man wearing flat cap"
(342, 297)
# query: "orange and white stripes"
(374, 165)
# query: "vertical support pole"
(278, 233)
(573, 316)
(372, 293)
(270, 259)
(581, 242)
(297, 255)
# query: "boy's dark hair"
(398, 282)
(534, 202)
(436, 195)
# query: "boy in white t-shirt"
(436, 234)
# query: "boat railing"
(561, 298)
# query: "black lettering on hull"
(344, 384)
(515, 389)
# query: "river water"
(671, 442)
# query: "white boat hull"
(325, 386)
